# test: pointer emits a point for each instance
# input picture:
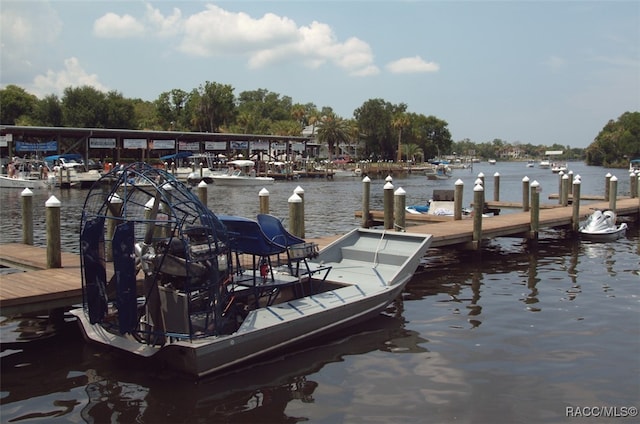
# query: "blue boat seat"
(247, 238)
(297, 249)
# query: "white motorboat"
(602, 226)
(241, 172)
(27, 173)
(545, 164)
(558, 167)
(439, 171)
(200, 293)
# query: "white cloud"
(27, 32)
(116, 26)
(412, 65)
(264, 41)
(54, 82)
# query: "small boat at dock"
(241, 172)
(27, 173)
(602, 226)
(200, 293)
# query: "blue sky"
(537, 72)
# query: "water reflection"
(107, 387)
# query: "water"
(513, 334)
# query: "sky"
(537, 72)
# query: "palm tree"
(400, 121)
(333, 130)
(412, 150)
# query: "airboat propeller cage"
(139, 218)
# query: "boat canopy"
(67, 156)
(179, 155)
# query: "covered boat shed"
(123, 144)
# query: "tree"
(84, 107)
(170, 110)
(120, 111)
(374, 120)
(46, 113)
(400, 121)
(617, 142)
(14, 103)
(211, 106)
(333, 130)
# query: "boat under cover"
(165, 278)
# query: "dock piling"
(613, 192)
(366, 195)
(295, 215)
(478, 206)
(575, 221)
(399, 209)
(27, 216)
(457, 200)
(607, 184)
(388, 205)
(263, 195)
(535, 210)
(525, 194)
(300, 192)
(496, 187)
(202, 192)
(54, 245)
(564, 194)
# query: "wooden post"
(201, 175)
(478, 207)
(399, 209)
(613, 193)
(388, 206)
(366, 195)
(263, 195)
(525, 194)
(54, 254)
(565, 190)
(202, 192)
(115, 210)
(633, 185)
(481, 178)
(575, 218)
(496, 187)
(607, 183)
(570, 174)
(535, 210)
(300, 192)
(295, 215)
(27, 216)
(457, 200)
(560, 186)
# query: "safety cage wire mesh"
(170, 221)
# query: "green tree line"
(381, 130)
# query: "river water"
(517, 333)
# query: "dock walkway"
(40, 289)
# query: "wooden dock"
(40, 289)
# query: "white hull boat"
(27, 173)
(200, 293)
(601, 226)
(22, 183)
(241, 173)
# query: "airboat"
(167, 280)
